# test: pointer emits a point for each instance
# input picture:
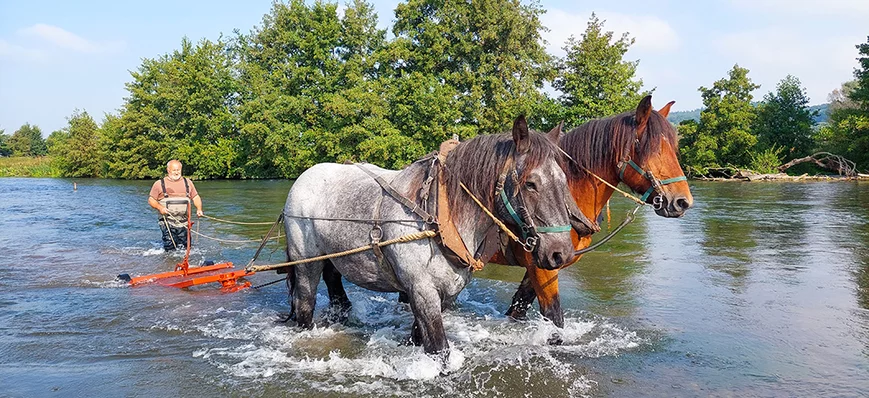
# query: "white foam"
(371, 355)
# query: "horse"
(518, 179)
(636, 148)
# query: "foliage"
(310, 92)
(698, 150)
(179, 107)
(594, 80)
(4, 144)
(847, 133)
(785, 121)
(677, 117)
(76, 147)
(27, 141)
(488, 55)
(20, 166)
(767, 160)
(723, 137)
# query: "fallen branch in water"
(828, 161)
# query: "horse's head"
(521, 180)
(650, 166)
(535, 198)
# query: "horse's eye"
(531, 186)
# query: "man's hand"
(199, 213)
(163, 210)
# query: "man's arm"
(197, 201)
(155, 204)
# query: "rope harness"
(442, 227)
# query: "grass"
(21, 166)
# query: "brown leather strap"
(447, 231)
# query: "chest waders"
(174, 224)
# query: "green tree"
(310, 89)
(594, 79)
(4, 144)
(55, 140)
(725, 124)
(27, 141)
(179, 106)
(784, 120)
(75, 149)
(698, 150)
(847, 132)
(860, 94)
(488, 55)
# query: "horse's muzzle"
(674, 206)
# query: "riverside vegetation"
(311, 85)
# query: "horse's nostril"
(557, 259)
(682, 204)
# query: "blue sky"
(59, 56)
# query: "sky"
(57, 57)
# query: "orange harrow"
(185, 276)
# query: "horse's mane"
(600, 143)
(478, 162)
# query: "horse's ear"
(554, 135)
(520, 135)
(665, 111)
(644, 111)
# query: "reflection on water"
(605, 277)
(761, 290)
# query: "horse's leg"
(545, 285)
(337, 295)
(402, 298)
(291, 288)
(305, 293)
(426, 305)
(415, 333)
(522, 299)
(542, 284)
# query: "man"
(171, 197)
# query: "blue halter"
(657, 185)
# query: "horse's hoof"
(555, 339)
(517, 316)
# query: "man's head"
(173, 170)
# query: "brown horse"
(635, 148)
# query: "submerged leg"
(522, 299)
(545, 285)
(305, 293)
(338, 300)
(402, 298)
(428, 320)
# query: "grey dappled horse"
(331, 207)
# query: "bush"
(767, 161)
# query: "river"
(762, 289)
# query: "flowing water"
(762, 289)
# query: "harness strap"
(398, 196)
(376, 234)
(186, 187)
(448, 233)
(656, 184)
